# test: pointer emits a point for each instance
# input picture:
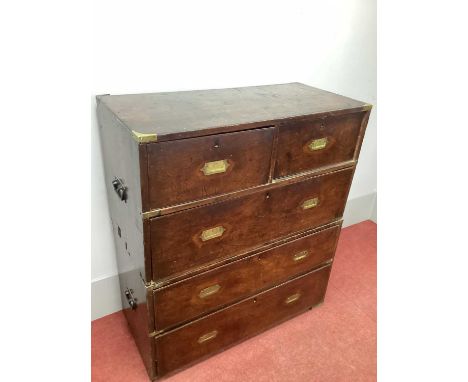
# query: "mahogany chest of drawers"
(226, 207)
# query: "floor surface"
(333, 342)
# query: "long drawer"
(200, 294)
(228, 326)
(202, 235)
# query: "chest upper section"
(207, 145)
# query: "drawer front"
(310, 144)
(203, 293)
(197, 168)
(206, 234)
(219, 330)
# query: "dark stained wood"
(147, 276)
(175, 168)
(186, 114)
(248, 222)
(240, 321)
(184, 301)
(274, 151)
(362, 132)
(144, 179)
(294, 137)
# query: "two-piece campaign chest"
(226, 207)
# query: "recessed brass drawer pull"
(300, 255)
(215, 167)
(207, 336)
(212, 233)
(209, 291)
(318, 144)
(294, 297)
(310, 203)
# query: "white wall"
(142, 46)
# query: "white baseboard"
(105, 297)
(374, 210)
(360, 209)
(105, 293)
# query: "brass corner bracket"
(150, 214)
(144, 138)
(150, 286)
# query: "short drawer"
(197, 168)
(198, 236)
(198, 295)
(310, 144)
(228, 326)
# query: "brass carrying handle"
(132, 301)
(204, 293)
(120, 189)
(216, 167)
(294, 297)
(207, 336)
(310, 203)
(212, 233)
(318, 144)
(300, 255)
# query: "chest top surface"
(175, 114)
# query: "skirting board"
(105, 297)
(359, 209)
(105, 292)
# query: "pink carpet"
(334, 342)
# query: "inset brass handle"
(209, 291)
(294, 297)
(318, 144)
(310, 203)
(207, 336)
(215, 167)
(300, 255)
(212, 233)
